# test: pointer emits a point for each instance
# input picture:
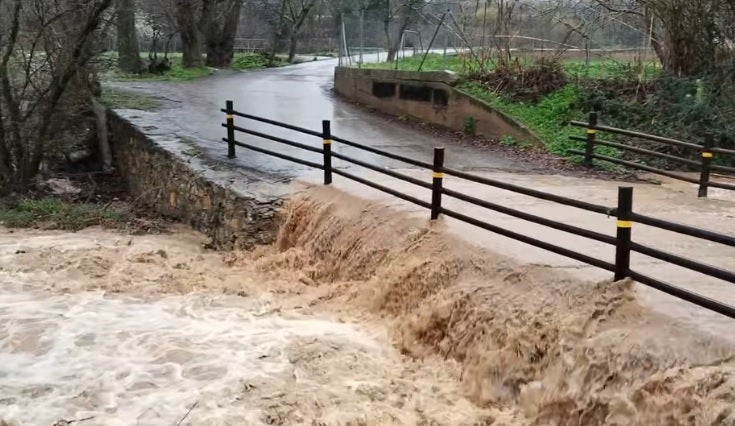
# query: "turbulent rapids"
(354, 316)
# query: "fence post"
(706, 165)
(625, 228)
(327, 148)
(589, 148)
(437, 183)
(230, 129)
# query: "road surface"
(300, 95)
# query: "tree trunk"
(127, 38)
(220, 41)
(5, 171)
(389, 43)
(395, 45)
(186, 19)
(100, 113)
(292, 48)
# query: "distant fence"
(250, 45)
(706, 153)
(626, 217)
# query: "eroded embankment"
(532, 340)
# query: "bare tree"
(691, 38)
(45, 48)
(127, 37)
(187, 14)
(289, 21)
(160, 30)
(218, 24)
(209, 23)
(399, 15)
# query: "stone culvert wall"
(427, 96)
(166, 180)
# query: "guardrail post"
(230, 109)
(589, 148)
(327, 148)
(706, 164)
(625, 228)
(437, 183)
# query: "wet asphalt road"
(301, 95)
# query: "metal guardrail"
(705, 151)
(626, 217)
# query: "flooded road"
(300, 95)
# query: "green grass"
(241, 61)
(597, 68)
(547, 118)
(251, 61)
(434, 62)
(601, 69)
(123, 99)
(56, 213)
(176, 73)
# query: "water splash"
(89, 348)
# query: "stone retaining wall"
(189, 191)
(427, 96)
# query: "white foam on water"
(124, 360)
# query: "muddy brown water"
(136, 330)
(357, 315)
(671, 200)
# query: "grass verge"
(241, 61)
(55, 213)
(547, 119)
(176, 73)
(122, 99)
(254, 61)
(576, 69)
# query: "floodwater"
(357, 315)
(671, 200)
(124, 330)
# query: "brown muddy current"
(356, 316)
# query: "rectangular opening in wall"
(384, 90)
(441, 97)
(415, 93)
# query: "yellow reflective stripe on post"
(625, 224)
(437, 175)
(327, 141)
(230, 117)
(706, 155)
(591, 131)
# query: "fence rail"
(706, 153)
(626, 217)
